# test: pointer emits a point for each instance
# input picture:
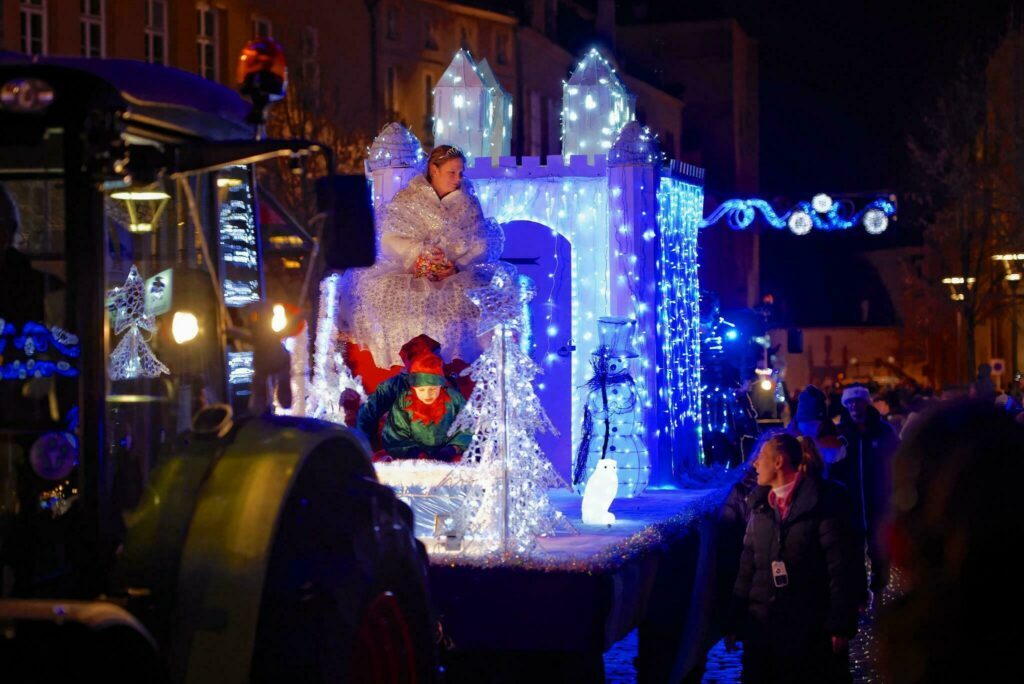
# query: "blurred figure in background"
(811, 420)
(983, 387)
(865, 472)
(956, 516)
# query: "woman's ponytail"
(811, 463)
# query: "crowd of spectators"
(899, 477)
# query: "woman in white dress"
(434, 244)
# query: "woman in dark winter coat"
(796, 595)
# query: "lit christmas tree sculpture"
(504, 415)
(331, 375)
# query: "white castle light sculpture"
(595, 107)
(462, 108)
(499, 112)
(627, 223)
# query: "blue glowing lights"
(822, 213)
(679, 386)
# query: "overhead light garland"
(822, 212)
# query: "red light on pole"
(262, 74)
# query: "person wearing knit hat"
(420, 405)
(871, 443)
(811, 420)
(810, 411)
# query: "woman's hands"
(434, 265)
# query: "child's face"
(428, 395)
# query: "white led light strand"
(595, 106)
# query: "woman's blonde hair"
(443, 154)
(812, 463)
(801, 452)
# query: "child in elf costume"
(421, 405)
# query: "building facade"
(712, 66)
(370, 61)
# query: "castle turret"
(462, 105)
(595, 107)
(499, 114)
(395, 156)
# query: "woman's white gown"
(388, 305)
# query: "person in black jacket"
(956, 521)
(796, 594)
(865, 471)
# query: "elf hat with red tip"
(426, 369)
(416, 346)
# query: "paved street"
(724, 667)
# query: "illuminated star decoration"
(501, 301)
(132, 358)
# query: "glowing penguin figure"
(600, 492)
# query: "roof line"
(473, 12)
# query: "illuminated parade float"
(585, 387)
(589, 305)
(522, 360)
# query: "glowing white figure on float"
(600, 493)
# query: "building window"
(391, 77)
(429, 28)
(310, 51)
(391, 22)
(262, 28)
(501, 49)
(33, 27)
(91, 28)
(428, 102)
(206, 41)
(156, 31)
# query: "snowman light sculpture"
(612, 419)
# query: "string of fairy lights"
(595, 107)
(471, 109)
(679, 307)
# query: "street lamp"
(1013, 277)
(957, 285)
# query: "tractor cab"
(137, 460)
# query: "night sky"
(843, 84)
